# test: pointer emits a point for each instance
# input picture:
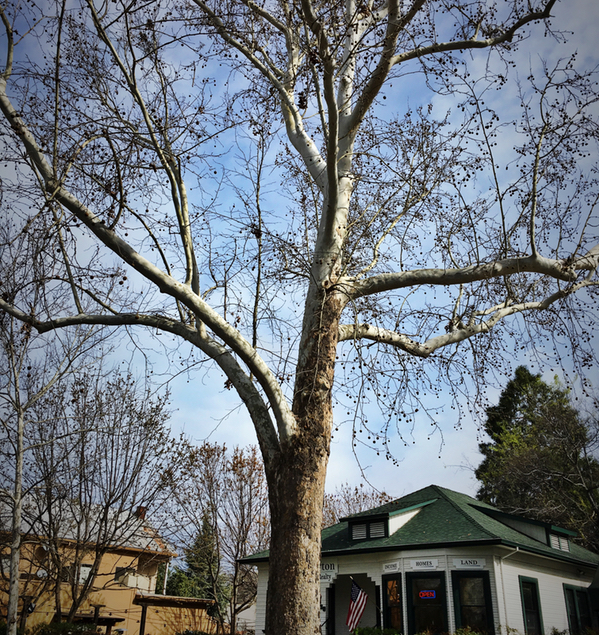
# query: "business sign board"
(328, 571)
(469, 563)
(424, 564)
(427, 594)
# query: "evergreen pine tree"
(200, 575)
(540, 461)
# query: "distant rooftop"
(131, 529)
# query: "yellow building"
(122, 597)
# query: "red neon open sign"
(427, 595)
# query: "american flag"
(357, 604)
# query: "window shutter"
(358, 532)
(559, 542)
(377, 530)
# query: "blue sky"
(445, 455)
(206, 410)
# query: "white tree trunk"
(16, 520)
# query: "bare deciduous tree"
(411, 255)
(347, 500)
(226, 489)
(31, 366)
(18, 394)
(103, 470)
(79, 455)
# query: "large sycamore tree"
(269, 183)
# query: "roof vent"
(365, 530)
(358, 532)
(559, 542)
(377, 530)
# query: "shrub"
(63, 628)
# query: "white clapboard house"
(436, 560)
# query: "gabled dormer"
(369, 528)
(381, 524)
(559, 538)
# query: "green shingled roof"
(445, 518)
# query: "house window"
(427, 604)
(120, 573)
(84, 573)
(577, 608)
(531, 606)
(5, 566)
(392, 604)
(472, 600)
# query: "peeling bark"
(297, 477)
